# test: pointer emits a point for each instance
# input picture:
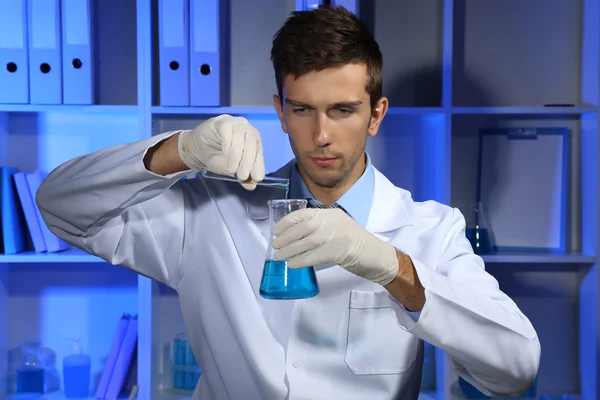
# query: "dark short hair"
(326, 37)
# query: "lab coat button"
(295, 365)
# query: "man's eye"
(299, 110)
(344, 111)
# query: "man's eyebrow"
(297, 103)
(347, 104)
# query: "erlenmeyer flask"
(478, 231)
(278, 281)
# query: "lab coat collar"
(388, 211)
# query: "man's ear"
(377, 115)
(278, 104)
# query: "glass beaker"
(30, 374)
(278, 281)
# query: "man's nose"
(322, 137)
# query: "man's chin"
(326, 179)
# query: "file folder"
(13, 223)
(113, 354)
(77, 61)
(205, 44)
(14, 57)
(522, 185)
(45, 63)
(29, 210)
(174, 52)
(53, 243)
(124, 360)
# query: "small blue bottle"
(76, 372)
(30, 375)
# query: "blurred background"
(494, 110)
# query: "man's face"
(327, 116)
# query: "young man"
(392, 271)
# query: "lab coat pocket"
(376, 343)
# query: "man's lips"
(324, 161)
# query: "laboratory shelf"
(414, 110)
(171, 396)
(68, 256)
(551, 111)
(66, 108)
(444, 83)
(58, 395)
(539, 258)
(241, 110)
(269, 111)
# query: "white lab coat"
(208, 240)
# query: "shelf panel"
(67, 108)
(538, 258)
(67, 256)
(246, 110)
(414, 110)
(270, 111)
(59, 395)
(525, 110)
(166, 395)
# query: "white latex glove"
(316, 236)
(225, 145)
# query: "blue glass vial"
(30, 374)
(76, 373)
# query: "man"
(392, 271)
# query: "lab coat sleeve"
(490, 341)
(108, 204)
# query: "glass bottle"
(30, 374)
(478, 231)
(278, 281)
(77, 372)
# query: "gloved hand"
(225, 145)
(316, 236)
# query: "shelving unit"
(451, 68)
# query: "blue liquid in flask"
(282, 283)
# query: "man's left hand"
(316, 236)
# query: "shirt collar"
(356, 201)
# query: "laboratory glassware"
(278, 281)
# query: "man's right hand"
(225, 145)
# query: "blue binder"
(13, 226)
(53, 243)
(45, 63)
(14, 60)
(29, 211)
(174, 52)
(77, 61)
(205, 45)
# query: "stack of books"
(21, 225)
(119, 373)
